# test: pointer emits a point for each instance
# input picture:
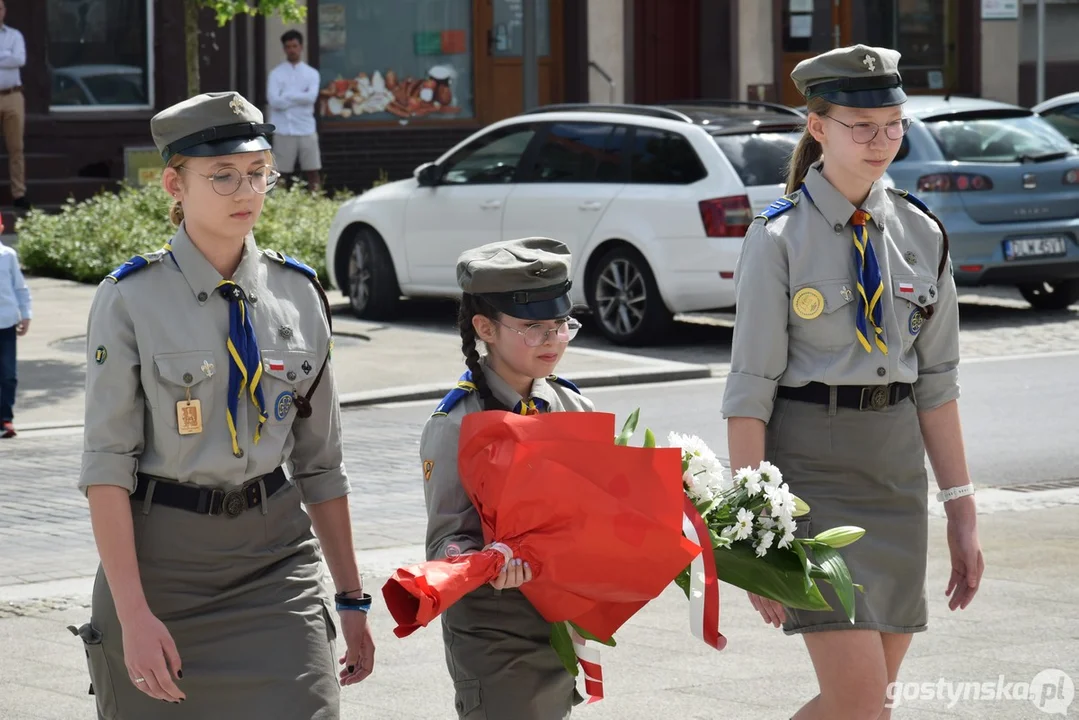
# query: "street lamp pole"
(530, 60)
(1041, 51)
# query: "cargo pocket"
(821, 313)
(286, 374)
(100, 676)
(469, 700)
(180, 374)
(915, 301)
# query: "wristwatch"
(953, 493)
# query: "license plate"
(1052, 246)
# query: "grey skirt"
(243, 600)
(864, 468)
(501, 661)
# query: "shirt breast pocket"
(822, 313)
(184, 376)
(915, 302)
(286, 374)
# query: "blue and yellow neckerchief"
(245, 370)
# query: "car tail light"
(1071, 177)
(726, 216)
(954, 182)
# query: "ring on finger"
(140, 680)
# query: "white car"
(1062, 112)
(653, 202)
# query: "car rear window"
(998, 139)
(759, 158)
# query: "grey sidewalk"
(373, 362)
(1025, 620)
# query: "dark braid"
(471, 306)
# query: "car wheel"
(373, 292)
(1055, 295)
(625, 299)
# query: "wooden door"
(809, 27)
(499, 56)
(667, 50)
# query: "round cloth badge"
(917, 318)
(100, 355)
(283, 404)
(808, 303)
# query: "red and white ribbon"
(588, 659)
(703, 580)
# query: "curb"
(436, 391)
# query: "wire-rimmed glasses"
(864, 132)
(536, 335)
(227, 181)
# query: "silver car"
(1005, 183)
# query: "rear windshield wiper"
(1044, 157)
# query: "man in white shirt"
(292, 91)
(13, 105)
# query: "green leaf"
(589, 636)
(629, 428)
(779, 575)
(840, 536)
(806, 564)
(832, 565)
(563, 645)
(649, 438)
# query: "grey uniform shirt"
(161, 331)
(811, 246)
(453, 525)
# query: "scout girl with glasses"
(844, 375)
(516, 300)
(208, 374)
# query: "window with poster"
(404, 60)
(925, 32)
(100, 54)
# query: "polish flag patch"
(906, 288)
(274, 365)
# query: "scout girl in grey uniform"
(208, 369)
(844, 374)
(516, 300)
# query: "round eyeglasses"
(864, 132)
(536, 335)
(227, 181)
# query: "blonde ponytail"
(808, 150)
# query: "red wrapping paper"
(600, 524)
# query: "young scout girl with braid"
(516, 301)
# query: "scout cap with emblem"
(857, 76)
(210, 125)
(526, 278)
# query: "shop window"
(507, 36)
(663, 158)
(405, 60)
(100, 54)
(580, 152)
(922, 31)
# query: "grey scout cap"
(526, 278)
(857, 76)
(210, 125)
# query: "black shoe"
(21, 203)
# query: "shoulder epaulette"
(465, 386)
(778, 207)
(136, 263)
(564, 383)
(291, 262)
(918, 203)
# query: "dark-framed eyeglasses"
(864, 132)
(536, 335)
(227, 181)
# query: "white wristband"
(955, 492)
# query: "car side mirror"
(428, 174)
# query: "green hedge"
(87, 240)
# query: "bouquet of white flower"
(750, 521)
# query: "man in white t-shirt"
(292, 91)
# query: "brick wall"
(353, 158)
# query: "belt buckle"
(877, 400)
(233, 504)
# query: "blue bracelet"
(362, 603)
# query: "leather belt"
(858, 397)
(8, 91)
(210, 501)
